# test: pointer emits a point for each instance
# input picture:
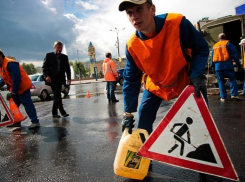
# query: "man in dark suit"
(55, 66)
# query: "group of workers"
(166, 53)
(55, 66)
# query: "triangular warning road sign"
(6, 118)
(187, 137)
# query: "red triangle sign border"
(227, 172)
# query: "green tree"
(71, 63)
(29, 68)
(79, 69)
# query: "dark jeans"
(57, 103)
(25, 100)
(111, 87)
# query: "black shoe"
(65, 115)
(115, 101)
(14, 125)
(56, 116)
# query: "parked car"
(120, 79)
(41, 90)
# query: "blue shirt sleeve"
(132, 82)
(14, 71)
(233, 53)
(211, 58)
(192, 39)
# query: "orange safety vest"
(220, 52)
(25, 83)
(110, 70)
(162, 60)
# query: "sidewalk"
(88, 81)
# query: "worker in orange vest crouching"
(171, 53)
(19, 84)
(110, 74)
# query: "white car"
(41, 90)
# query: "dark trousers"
(111, 87)
(25, 100)
(57, 103)
(221, 74)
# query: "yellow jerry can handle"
(136, 132)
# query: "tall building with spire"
(92, 59)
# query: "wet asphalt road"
(82, 146)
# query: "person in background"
(222, 56)
(110, 74)
(19, 85)
(243, 44)
(171, 53)
(55, 66)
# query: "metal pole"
(118, 50)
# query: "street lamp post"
(78, 67)
(117, 30)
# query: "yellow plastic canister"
(127, 163)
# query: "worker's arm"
(132, 83)
(192, 39)
(176, 124)
(46, 66)
(14, 71)
(233, 53)
(211, 58)
(114, 68)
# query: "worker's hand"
(9, 95)
(69, 82)
(199, 85)
(48, 79)
(127, 122)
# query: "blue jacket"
(190, 39)
(14, 70)
(224, 65)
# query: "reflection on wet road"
(82, 146)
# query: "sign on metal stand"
(6, 117)
(187, 137)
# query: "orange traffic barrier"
(18, 117)
(88, 95)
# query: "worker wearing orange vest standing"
(19, 84)
(169, 51)
(243, 44)
(222, 56)
(110, 73)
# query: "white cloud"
(86, 6)
(48, 4)
(73, 18)
(33, 26)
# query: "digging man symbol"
(178, 135)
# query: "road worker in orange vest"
(222, 56)
(243, 44)
(19, 85)
(169, 51)
(110, 73)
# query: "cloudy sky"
(28, 28)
